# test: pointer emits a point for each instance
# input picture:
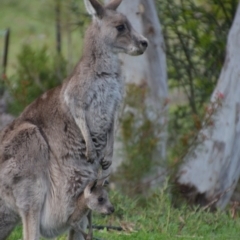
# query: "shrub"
(36, 72)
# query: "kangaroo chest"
(104, 99)
(98, 100)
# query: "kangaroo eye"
(120, 28)
(100, 199)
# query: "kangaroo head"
(114, 30)
(96, 197)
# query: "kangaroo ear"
(94, 8)
(113, 5)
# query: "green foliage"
(195, 34)
(33, 22)
(33, 68)
(82, 19)
(140, 138)
(36, 72)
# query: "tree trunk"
(211, 168)
(149, 70)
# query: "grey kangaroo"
(61, 140)
(94, 197)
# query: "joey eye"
(100, 199)
(120, 28)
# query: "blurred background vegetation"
(46, 42)
(195, 33)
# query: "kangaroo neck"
(97, 55)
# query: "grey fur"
(94, 198)
(59, 142)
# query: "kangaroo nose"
(144, 43)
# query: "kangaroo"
(93, 198)
(62, 139)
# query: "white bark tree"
(148, 70)
(211, 169)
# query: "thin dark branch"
(233, 8)
(177, 67)
(58, 26)
(218, 197)
(191, 66)
(186, 52)
(107, 227)
(5, 54)
(225, 11)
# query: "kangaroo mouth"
(136, 52)
(132, 51)
(107, 212)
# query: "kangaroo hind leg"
(8, 220)
(26, 175)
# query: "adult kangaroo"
(60, 141)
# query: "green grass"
(156, 219)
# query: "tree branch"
(107, 227)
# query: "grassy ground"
(157, 219)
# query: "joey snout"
(110, 210)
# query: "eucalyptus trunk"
(148, 71)
(211, 168)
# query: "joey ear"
(103, 181)
(93, 185)
(90, 187)
(113, 5)
(94, 8)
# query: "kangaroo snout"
(111, 210)
(143, 45)
(138, 46)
